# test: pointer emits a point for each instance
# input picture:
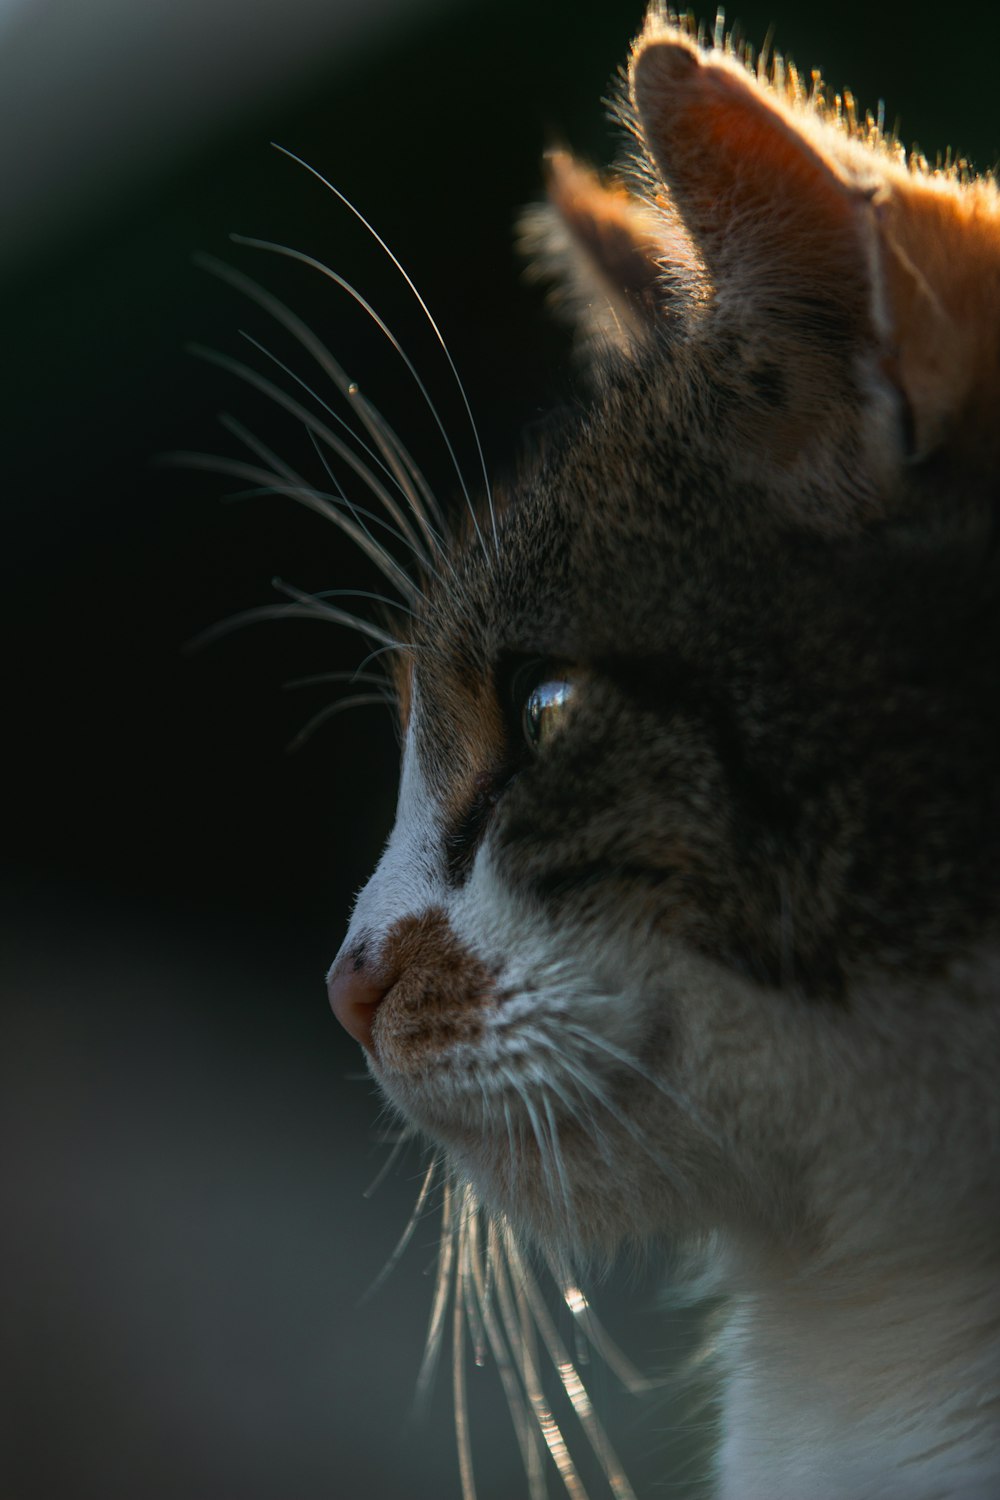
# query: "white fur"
(859, 1359)
(409, 877)
(877, 1390)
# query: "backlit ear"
(622, 268)
(857, 278)
(762, 201)
(789, 240)
(940, 243)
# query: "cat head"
(688, 916)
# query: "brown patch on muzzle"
(436, 992)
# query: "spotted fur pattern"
(718, 959)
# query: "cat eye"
(545, 710)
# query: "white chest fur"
(863, 1387)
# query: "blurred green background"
(187, 1133)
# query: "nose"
(355, 995)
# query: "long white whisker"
(397, 515)
(574, 1105)
(390, 439)
(569, 1376)
(393, 604)
(415, 1216)
(470, 1254)
(312, 423)
(393, 646)
(545, 1153)
(303, 611)
(322, 608)
(535, 1444)
(360, 511)
(331, 711)
(312, 499)
(683, 1103)
(598, 1337)
(357, 511)
(427, 313)
(323, 679)
(585, 1080)
(527, 1438)
(442, 1290)
(315, 499)
(290, 253)
(314, 346)
(517, 1322)
(398, 1146)
(459, 1391)
(560, 1167)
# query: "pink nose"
(355, 995)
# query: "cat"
(688, 927)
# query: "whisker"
(322, 679)
(534, 1448)
(516, 1315)
(295, 612)
(312, 499)
(320, 605)
(397, 515)
(393, 646)
(415, 1216)
(439, 1304)
(683, 1103)
(459, 1390)
(586, 1081)
(527, 1438)
(411, 480)
(437, 333)
(309, 728)
(560, 1167)
(544, 1147)
(470, 1253)
(357, 511)
(392, 604)
(599, 1339)
(570, 1377)
(290, 253)
(398, 1145)
(314, 346)
(574, 1106)
(312, 423)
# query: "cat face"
(691, 899)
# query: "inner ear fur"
(622, 267)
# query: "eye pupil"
(545, 709)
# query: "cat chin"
(579, 1188)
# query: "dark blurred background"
(187, 1135)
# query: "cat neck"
(862, 1381)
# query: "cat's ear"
(621, 268)
(789, 241)
(861, 282)
(939, 241)
(775, 216)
